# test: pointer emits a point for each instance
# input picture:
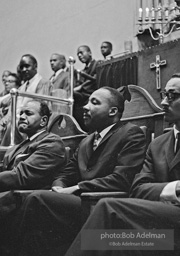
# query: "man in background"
(33, 83)
(87, 84)
(106, 49)
(4, 76)
(60, 82)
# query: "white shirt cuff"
(168, 193)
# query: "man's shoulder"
(49, 135)
(128, 127)
(162, 138)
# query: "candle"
(166, 13)
(159, 13)
(140, 14)
(147, 14)
(153, 14)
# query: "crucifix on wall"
(157, 65)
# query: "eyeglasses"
(171, 96)
(10, 81)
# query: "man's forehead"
(173, 84)
(54, 57)
(31, 105)
(100, 93)
(82, 49)
(25, 60)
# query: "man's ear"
(113, 111)
(44, 121)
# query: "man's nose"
(165, 102)
(22, 116)
(86, 107)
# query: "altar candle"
(153, 14)
(140, 14)
(147, 13)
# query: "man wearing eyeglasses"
(154, 205)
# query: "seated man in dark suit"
(155, 194)
(106, 160)
(35, 162)
(85, 86)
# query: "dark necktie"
(178, 142)
(22, 146)
(27, 84)
(53, 78)
(97, 137)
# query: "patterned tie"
(178, 142)
(97, 137)
(27, 84)
(53, 78)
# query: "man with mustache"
(106, 160)
(32, 83)
(155, 194)
(33, 164)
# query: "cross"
(157, 66)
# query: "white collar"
(58, 72)
(176, 131)
(106, 130)
(36, 134)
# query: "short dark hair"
(44, 109)
(117, 99)
(18, 81)
(109, 44)
(31, 57)
(85, 46)
(176, 75)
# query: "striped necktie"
(96, 141)
(27, 84)
(178, 142)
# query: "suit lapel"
(89, 146)
(109, 134)
(172, 159)
(22, 147)
(169, 151)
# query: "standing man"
(33, 83)
(60, 78)
(106, 49)
(106, 160)
(155, 191)
(11, 81)
(4, 76)
(87, 83)
(60, 82)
